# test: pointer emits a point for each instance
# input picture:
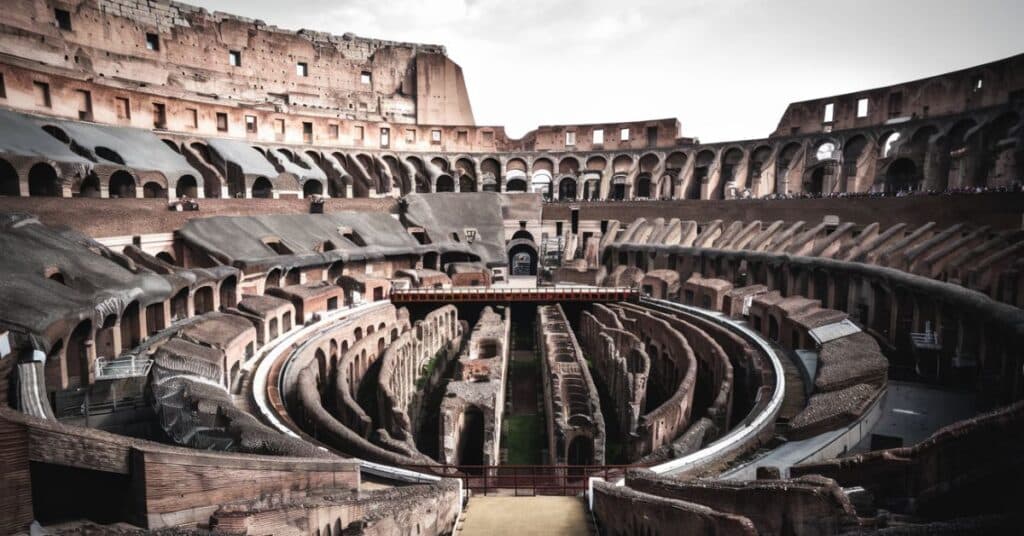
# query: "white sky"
(726, 68)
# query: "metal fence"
(524, 480)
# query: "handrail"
(745, 430)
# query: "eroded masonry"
(263, 281)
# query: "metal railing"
(524, 480)
(517, 294)
(122, 367)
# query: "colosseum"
(265, 281)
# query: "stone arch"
(522, 257)
(902, 174)
(543, 163)
(186, 186)
(622, 163)
(701, 171)
(122, 184)
(43, 181)
(312, 187)
(444, 184)
(568, 165)
(567, 188)
(262, 188)
(9, 185)
(732, 158)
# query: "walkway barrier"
(541, 294)
(525, 480)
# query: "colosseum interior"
(263, 281)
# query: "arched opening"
(262, 188)
(820, 179)
(782, 164)
(522, 260)
(122, 185)
(731, 161)
(229, 292)
(203, 300)
(9, 180)
(179, 305)
(186, 187)
(540, 183)
(311, 188)
(131, 334)
(153, 190)
(567, 188)
(773, 329)
(89, 187)
(517, 184)
(592, 188)
(166, 257)
(293, 277)
(852, 150)
(471, 438)
(77, 356)
(643, 186)
(273, 328)
(901, 176)
(444, 184)
(104, 339)
(467, 184)
(618, 192)
(581, 451)
(43, 181)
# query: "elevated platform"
(534, 295)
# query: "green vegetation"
(524, 439)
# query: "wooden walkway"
(526, 516)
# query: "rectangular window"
(862, 107)
(435, 136)
(3, 87)
(598, 136)
(365, 78)
(302, 68)
(332, 131)
(153, 42)
(570, 139)
(123, 107)
(42, 92)
(830, 109)
(385, 138)
(251, 125)
(488, 138)
(222, 121)
(410, 135)
(357, 133)
(159, 115)
(192, 117)
(63, 18)
(652, 136)
(895, 104)
(462, 137)
(307, 132)
(624, 134)
(235, 58)
(84, 104)
(279, 129)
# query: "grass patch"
(524, 439)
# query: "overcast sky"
(725, 68)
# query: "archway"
(522, 259)
(540, 183)
(517, 184)
(77, 356)
(643, 186)
(229, 292)
(901, 176)
(580, 451)
(122, 185)
(9, 180)
(567, 188)
(43, 181)
(444, 184)
(467, 184)
(273, 279)
(89, 187)
(186, 186)
(130, 326)
(471, 438)
(262, 188)
(618, 192)
(312, 187)
(153, 190)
